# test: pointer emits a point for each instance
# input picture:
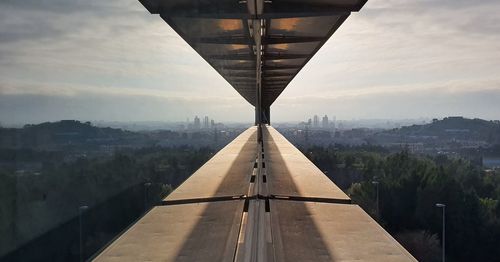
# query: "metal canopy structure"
(258, 46)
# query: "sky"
(112, 60)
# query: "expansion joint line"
(254, 197)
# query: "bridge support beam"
(266, 115)
(262, 116)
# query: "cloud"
(394, 53)
(36, 108)
(68, 90)
(461, 88)
(106, 43)
(427, 103)
(406, 48)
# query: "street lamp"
(443, 206)
(81, 210)
(376, 184)
(146, 186)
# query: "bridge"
(259, 198)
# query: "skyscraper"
(196, 123)
(205, 122)
(316, 121)
(324, 122)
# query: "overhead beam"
(263, 88)
(239, 68)
(247, 57)
(277, 39)
(271, 74)
(278, 78)
(231, 10)
(242, 81)
(236, 85)
(269, 68)
(242, 74)
(275, 82)
(280, 56)
(208, 11)
(252, 68)
(225, 40)
(242, 87)
(241, 15)
(244, 40)
(293, 9)
(273, 88)
(241, 77)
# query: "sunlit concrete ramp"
(205, 231)
(312, 231)
(256, 202)
(293, 176)
(201, 219)
(226, 175)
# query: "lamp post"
(81, 210)
(376, 185)
(443, 206)
(146, 187)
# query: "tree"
(423, 245)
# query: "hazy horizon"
(113, 61)
(152, 124)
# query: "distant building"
(324, 122)
(205, 122)
(212, 123)
(316, 121)
(197, 124)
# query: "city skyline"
(394, 60)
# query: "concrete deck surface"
(304, 224)
(226, 174)
(292, 174)
(189, 232)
